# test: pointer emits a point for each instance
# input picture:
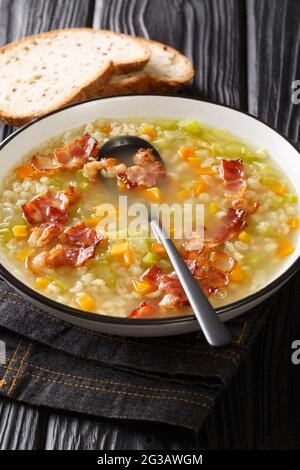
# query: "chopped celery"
(276, 202)
(150, 259)
(161, 143)
(61, 285)
(174, 134)
(84, 185)
(166, 124)
(292, 198)
(140, 245)
(268, 180)
(104, 271)
(234, 149)
(252, 260)
(165, 264)
(191, 126)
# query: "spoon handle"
(214, 330)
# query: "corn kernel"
(41, 282)
(20, 231)
(119, 249)
(194, 161)
(23, 254)
(85, 302)
(245, 237)
(213, 208)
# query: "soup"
(53, 207)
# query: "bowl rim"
(73, 311)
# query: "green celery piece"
(150, 259)
(191, 126)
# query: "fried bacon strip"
(143, 310)
(233, 174)
(70, 157)
(50, 207)
(145, 172)
(79, 246)
(212, 273)
(230, 225)
(42, 235)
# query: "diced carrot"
(199, 188)
(153, 194)
(127, 258)
(237, 274)
(42, 282)
(23, 254)
(25, 171)
(91, 222)
(106, 129)
(293, 223)
(150, 132)
(121, 185)
(184, 194)
(279, 189)
(186, 152)
(86, 302)
(205, 171)
(194, 161)
(143, 287)
(284, 248)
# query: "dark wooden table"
(246, 54)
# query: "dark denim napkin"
(173, 380)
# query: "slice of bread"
(46, 71)
(167, 70)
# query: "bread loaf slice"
(46, 71)
(167, 70)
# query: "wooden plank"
(274, 62)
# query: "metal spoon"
(123, 148)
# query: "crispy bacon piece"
(211, 272)
(70, 157)
(230, 225)
(79, 235)
(144, 174)
(44, 234)
(61, 256)
(50, 206)
(233, 174)
(144, 310)
(79, 246)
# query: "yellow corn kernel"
(198, 189)
(143, 287)
(194, 161)
(279, 189)
(20, 231)
(86, 302)
(153, 194)
(23, 254)
(42, 282)
(127, 258)
(158, 248)
(293, 223)
(245, 237)
(237, 274)
(186, 152)
(213, 208)
(284, 248)
(119, 249)
(150, 132)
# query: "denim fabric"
(172, 380)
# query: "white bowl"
(241, 124)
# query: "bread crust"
(89, 89)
